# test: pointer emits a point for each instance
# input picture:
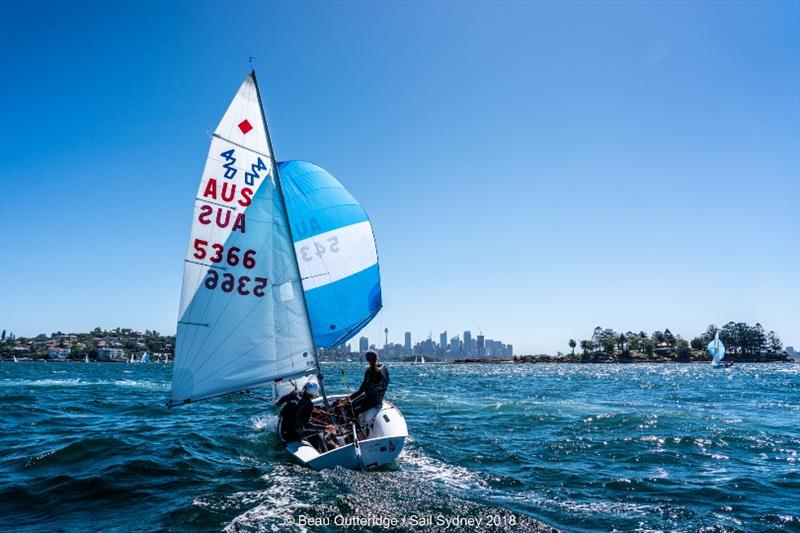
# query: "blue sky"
(532, 170)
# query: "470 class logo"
(249, 177)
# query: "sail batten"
(242, 319)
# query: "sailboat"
(86, 358)
(281, 262)
(716, 350)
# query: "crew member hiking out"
(296, 413)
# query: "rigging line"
(218, 204)
(243, 147)
(282, 200)
(217, 394)
(315, 276)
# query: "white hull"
(386, 434)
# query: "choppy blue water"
(577, 447)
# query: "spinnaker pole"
(279, 188)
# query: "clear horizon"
(531, 170)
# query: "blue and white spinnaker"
(335, 249)
(716, 350)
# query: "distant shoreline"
(45, 360)
(577, 360)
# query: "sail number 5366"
(218, 254)
(228, 282)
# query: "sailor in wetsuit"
(296, 414)
(372, 389)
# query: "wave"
(79, 382)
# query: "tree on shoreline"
(742, 340)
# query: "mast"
(286, 217)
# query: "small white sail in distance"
(243, 320)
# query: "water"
(576, 447)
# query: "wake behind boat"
(281, 261)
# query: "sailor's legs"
(365, 403)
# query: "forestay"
(336, 254)
(242, 319)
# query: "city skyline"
(530, 169)
(461, 344)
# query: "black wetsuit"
(372, 389)
(296, 417)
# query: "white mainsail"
(243, 320)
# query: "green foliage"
(740, 339)
(699, 343)
(682, 352)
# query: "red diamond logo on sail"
(245, 126)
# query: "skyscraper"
(407, 344)
(481, 347)
(363, 344)
(443, 342)
(455, 346)
(468, 342)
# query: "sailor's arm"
(283, 399)
(362, 389)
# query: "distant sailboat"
(86, 359)
(15, 358)
(281, 261)
(716, 349)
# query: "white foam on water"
(593, 508)
(431, 469)
(264, 422)
(74, 382)
(139, 384)
(78, 382)
(276, 507)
